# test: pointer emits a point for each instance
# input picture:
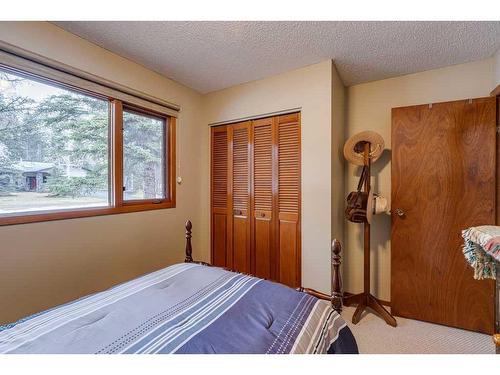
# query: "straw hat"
(375, 205)
(355, 155)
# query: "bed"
(190, 308)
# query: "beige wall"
(369, 108)
(339, 103)
(496, 69)
(45, 264)
(309, 89)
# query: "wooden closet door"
(219, 194)
(264, 252)
(239, 136)
(443, 181)
(289, 199)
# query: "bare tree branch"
(14, 104)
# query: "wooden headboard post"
(336, 296)
(189, 249)
(336, 277)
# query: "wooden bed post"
(189, 249)
(336, 277)
(336, 296)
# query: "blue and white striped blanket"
(185, 308)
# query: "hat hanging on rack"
(354, 154)
(362, 205)
(375, 205)
(380, 204)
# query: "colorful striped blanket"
(482, 249)
(185, 308)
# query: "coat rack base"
(366, 300)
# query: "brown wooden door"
(239, 136)
(219, 194)
(289, 199)
(443, 181)
(264, 251)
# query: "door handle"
(400, 212)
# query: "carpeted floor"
(414, 337)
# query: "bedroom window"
(144, 154)
(53, 147)
(68, 152)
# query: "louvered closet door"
(219, 196)
(240, 166)
(289, 199)
(263, 170)
(256, 197)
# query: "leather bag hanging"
(357, 201)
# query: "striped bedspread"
(185, 308)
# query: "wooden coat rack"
(366, 299)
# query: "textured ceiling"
(208, 56)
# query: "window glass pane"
(143, 156)
(53, 147)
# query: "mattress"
(185, 308)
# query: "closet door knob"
(400, 212)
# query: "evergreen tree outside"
(65, 128)
(143, 156)
(69, 131)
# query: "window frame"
(116, 203)
(166, 146)
(117, 108)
